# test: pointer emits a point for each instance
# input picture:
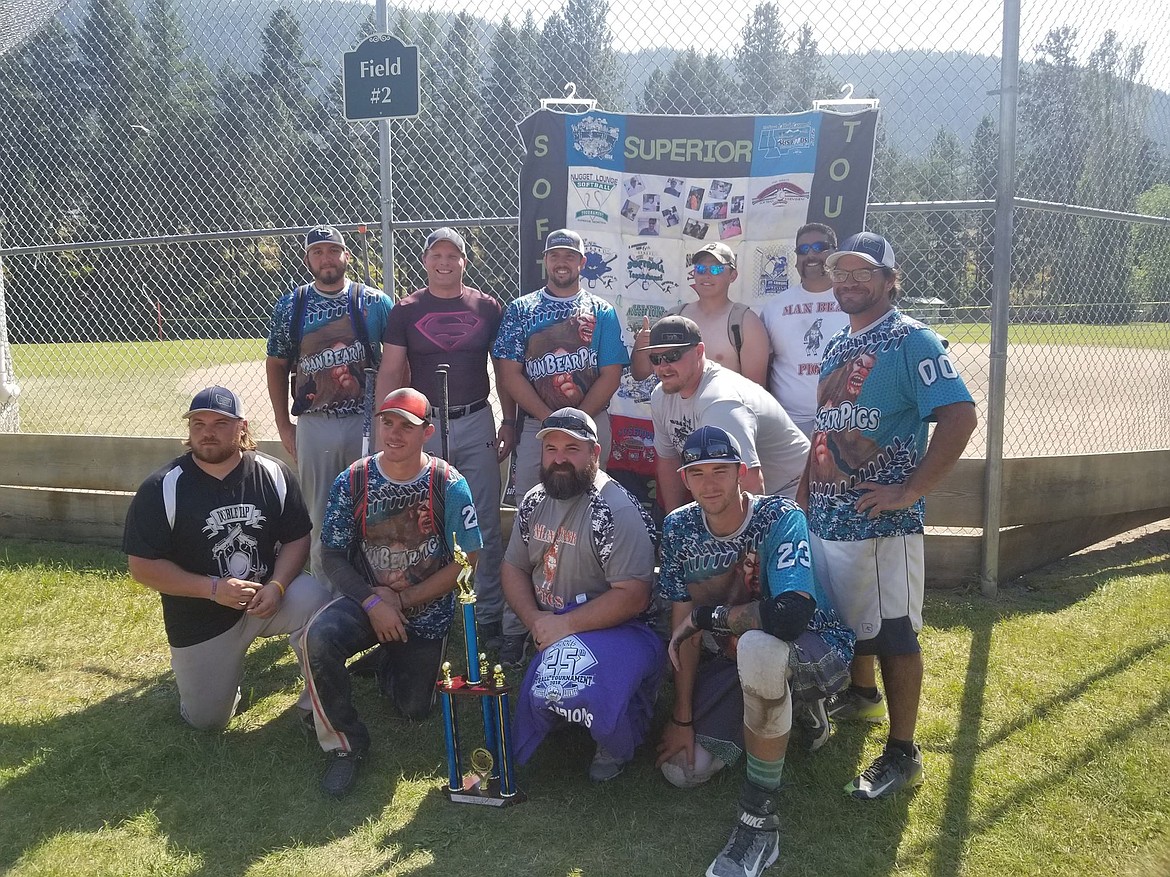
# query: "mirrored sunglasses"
(708, 451)
(814, 247)
(713, 270)
(670, 356)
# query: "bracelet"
(278, 585)
(371, 601)
(508, 421)
(675, 721)
(214, 586)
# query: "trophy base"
(475, 791)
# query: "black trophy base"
(485, 793)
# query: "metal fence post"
(1009, 89)
(385, 183)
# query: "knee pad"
(763, 675)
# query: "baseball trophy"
(492, 778)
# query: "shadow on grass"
(226, 799)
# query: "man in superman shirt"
(447, 322)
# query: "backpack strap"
(357, 319)
(440, 469)
(735, 325)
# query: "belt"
(454, 412)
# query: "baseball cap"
(675, 331)
(323, 234)
(710, 444)
(563, 239)
(408, 403)
(573, 421)
(219, 400)
(446, 234)
(722, 253)
(871, 247)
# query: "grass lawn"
(1045, 726)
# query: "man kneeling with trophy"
(578, 572)
(391, 527)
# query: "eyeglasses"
(814, 247)
(708, 451)
(672, 356)
(569, 424)
(861, 275)
(713, 270)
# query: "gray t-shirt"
(574, 549)
(766, 435)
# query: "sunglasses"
(713, 270)
(708, 451)
(673, 356)
(574, 424)
(861, 275)
(814, 247)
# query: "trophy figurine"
(492, 778)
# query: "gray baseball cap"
(446, 234)
(564, 239)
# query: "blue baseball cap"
(873, 248)
(218, 400)
(710, 444)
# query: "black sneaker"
(514, 651)
(890, 772)
(341, 773)
(812, 717)
(755, 840)
(491, 638)
(850, 706)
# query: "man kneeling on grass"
(222, 533)
(738, 570)
(577, 572)
(388, 549)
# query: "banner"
(646, 191)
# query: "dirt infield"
(1060, 399)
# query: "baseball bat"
(368, 423)
(444, 411)
(362, 230)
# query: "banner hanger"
(578, 104)
(847, 102)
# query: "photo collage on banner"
(646, 191)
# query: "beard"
(214, 453)
(564, 481)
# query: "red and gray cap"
(723, 254)
(564, 239)
(409, 404)
(217, 400)
(873, 248)
(446, 234)
(572, 421)
(323, 234)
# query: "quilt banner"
(646, 191)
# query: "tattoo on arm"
(744, 618)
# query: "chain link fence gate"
(163, 156)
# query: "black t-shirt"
(457, 331)
(228, 528)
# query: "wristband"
(214, 586)
(371, 601)
(278, 585)
(712, 618)
(508, 421)
(675, 721)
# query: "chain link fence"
(163, 157)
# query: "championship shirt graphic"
(560, 358)
(237, 553)
(329, 371)
(563, 670)
(646, 191)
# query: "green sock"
(765, 774)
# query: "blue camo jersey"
(562, 343)
(401, 543)
(768, 555)
(330, 369)
(877, 391)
